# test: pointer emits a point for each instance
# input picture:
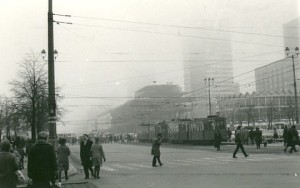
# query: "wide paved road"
(129, 166)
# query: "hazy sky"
(109, 50)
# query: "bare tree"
(30, 90)
(250, 114)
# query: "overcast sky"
(109, 49)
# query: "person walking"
(285, 135)
(63, 153)
(42, 166)
(155, 150)
(21, 151)
(294, 139)
(239, 142)
(8, 166)
(218, 139)
(251, 136)
(85, 155)
(275, 135)
(229, 134)
(97, 156)
(258, 137)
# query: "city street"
(129, 165)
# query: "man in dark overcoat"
(218, 139)
(258, 137)
(239, 142)
(155, 150)
(85, 155)
(8, 166)
(294, 139)
(42, 166)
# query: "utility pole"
(51, 80)
(287, 51)
(209, 81)
(295, 91)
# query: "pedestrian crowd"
(45, 165)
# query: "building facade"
(277, 76)
(258, 107)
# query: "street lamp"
(288, 54)
(43, 52)
(209, 81)
(51, 95)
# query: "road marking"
(124, 167)
(106, 168)
(140, 165)
(176, 163)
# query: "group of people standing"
(290, 138)
(91, 155)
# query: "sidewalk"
(75, 181)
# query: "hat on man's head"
(43, 135)
(5, 145)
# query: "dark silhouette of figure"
(239, 142)
(85, 155)
(155, 151)
(275, 135)
(285, 135)
(251, 136)
(218, 139)
(258, 137)
(229, 134)
(8, 166)
(294, 138)
(42, 165)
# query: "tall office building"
(208, 60)
(278, 76)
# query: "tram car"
(148, 131)
(196, 131)
(71, 138)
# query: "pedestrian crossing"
(192, 162)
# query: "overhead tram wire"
(179, 26)
(177, 35)
(195, 66)
(172, 97)
(176, 70)
(110, 54)
(256, 81)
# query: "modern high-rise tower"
(210, 60)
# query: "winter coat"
(8, 166)
(42, 161)
(218, 139)
(156, 147)
(97, 154)
(258, 136)
(238, 136)
(85, 153)
(63, 153)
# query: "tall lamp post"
(209, 81)
(288, 54)
(51, 79)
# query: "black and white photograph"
(149, 93)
